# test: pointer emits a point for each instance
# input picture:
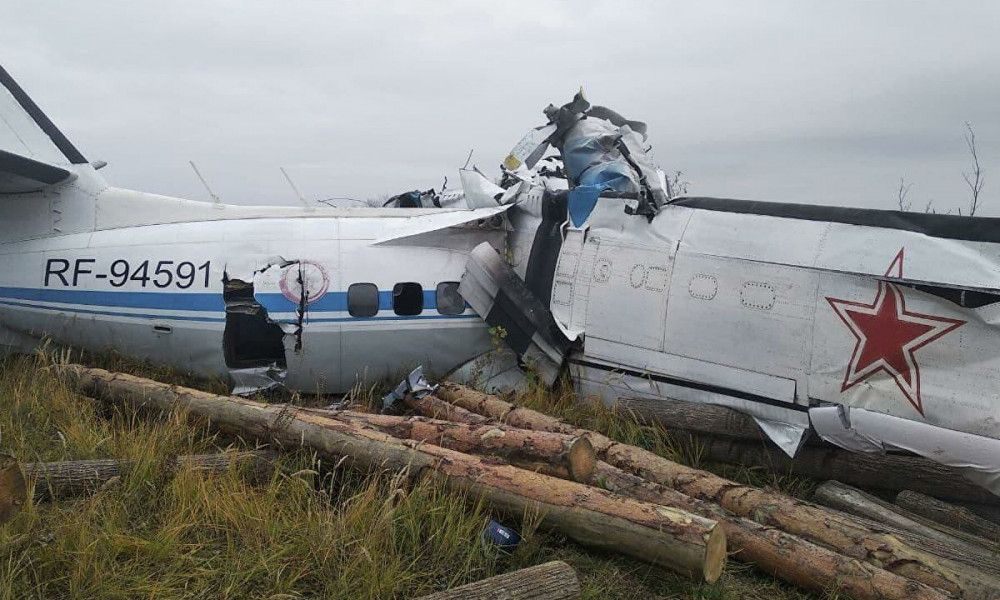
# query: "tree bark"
(823, 526)
(941, 541)
(76, 477)
(677, 540)
(575, 454)
(550, 581)
(781, 554)
(958, 517)
(890, 472)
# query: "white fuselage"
(147, 287)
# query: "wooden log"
(911, 528)
(550, 581)
(575, 454)
(823, 526)
(13, 488)
(75, 477)
(432, 406)
(694, 417)
(674, 539)
(957, 517)
(889, 472)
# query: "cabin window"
(407, 299)
(449, 301)
(362, 299)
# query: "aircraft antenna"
(294, 188)
(215, 198)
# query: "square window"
(449, 301)
(362, 299)
(408, 299)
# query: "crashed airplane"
(874, 329)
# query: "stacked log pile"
(594, 490)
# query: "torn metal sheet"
(255, 380)
(495, 371)
(786, 436)
(523, 323)
(245, 266)
(479, 191)
(415, 385)
(530, 149)
(604, 152)
(976, 457)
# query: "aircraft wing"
(34, 154)
(423, 224)
(19, 174)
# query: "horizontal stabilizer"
(19, 174)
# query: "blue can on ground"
(501, 536)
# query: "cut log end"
(582, 459)
(13, 488)
(715, 555)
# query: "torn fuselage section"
(265, 313)
(252, 343)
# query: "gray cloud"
(789, 101)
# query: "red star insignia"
(888, 335)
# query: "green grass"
(313, 530)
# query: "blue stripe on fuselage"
(201, 301)
(332, 302)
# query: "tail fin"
(34, 154)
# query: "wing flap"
(19, 174)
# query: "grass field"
(314, 530)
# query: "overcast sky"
(792, 101)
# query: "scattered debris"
(414, 385)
